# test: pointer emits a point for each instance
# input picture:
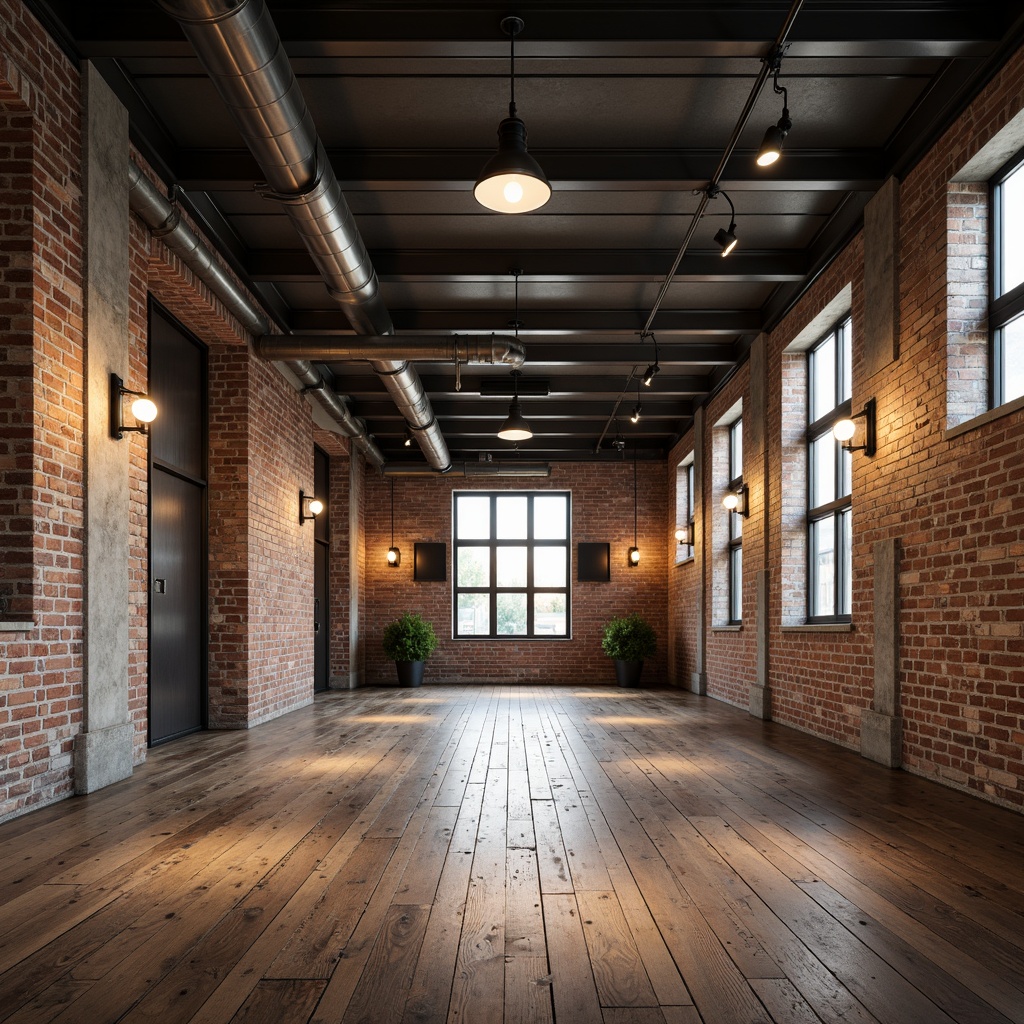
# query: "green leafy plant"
(409, 638)
(629, 638)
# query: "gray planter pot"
(627, 673)
(410, 673)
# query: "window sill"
(726, 629)
(983, 419)
(17, 627)
(685, 561)
(820, 627)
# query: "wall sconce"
(738, 501)
(684, 534)
(394, 554)
(143, 408)
(844, 429)
(309, 507)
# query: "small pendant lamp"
(512, 181)
(515, 427)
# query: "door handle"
(316, 614)
(159, 586)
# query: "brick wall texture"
(952, 498)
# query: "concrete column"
(357, 568)
(103, 750)
(699, 677)
(760, 692)
(755, 457)
(881, 279)
(881, 734)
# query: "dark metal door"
(177, 531)
(321, 597)
(176, 627)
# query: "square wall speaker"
(593, 563)
(430, 562)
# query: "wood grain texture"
(513, 855)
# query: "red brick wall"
(41, 413)
(602, 510)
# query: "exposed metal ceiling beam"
(582, 170)
(455, 411)
(552, 265)
(559, 322)
(596, 386)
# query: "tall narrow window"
(684, 507)
(1006, 311)
(511, 564)
(829, 518)
(735, 525)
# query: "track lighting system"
(771, 145)
(726, 239)
(654, 369)
(634, 416)
(512, 181)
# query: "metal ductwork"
(473, 348)
(471, 469)
(164, 220)
(238, 45)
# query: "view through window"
(512, 558)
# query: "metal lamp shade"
(512, 181)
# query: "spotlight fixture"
(738, 501)
(633, 555)
(771, 145)
(407, 442)
(515, 427)
(512, 181)
(654, 369)
(394, 554)
(726, 239)
(844, 429)
(684, 534)
(143, 408)
(634, 416)
(309, 507)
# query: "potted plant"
(629, 639)
(409, 641)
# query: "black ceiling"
(629, 108)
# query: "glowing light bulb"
(731, 501)
(513, 192)
(843, 430)
(144, 409)
(316, 506)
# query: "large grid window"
(512, 559)
(735, 525)
(1006, 311)
(829, 518)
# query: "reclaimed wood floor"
(505, 854)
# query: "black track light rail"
(706, 194)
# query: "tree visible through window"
(829, 518)
(511, 564)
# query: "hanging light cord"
(392, 511)
(513, 32)
(748, 109)
(634, 495)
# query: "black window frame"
(531, 543)
(1006, 307)
(688, 519)
(839, 507)
(735, 616)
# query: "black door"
(321, 528)
(177, 531)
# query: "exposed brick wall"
(602, 510)
(41, 413)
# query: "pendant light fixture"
(512, 181)
(394, 554)
(634, 416)
(633, 555)
(771, 145)
(515, 427)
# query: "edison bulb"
(144, 409)
(843, 430)
(731, 501)
(513, 192)
(316, 506)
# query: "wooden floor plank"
(512, 855)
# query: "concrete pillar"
(881, 280)
(760, 692)
(881, 734)
(357, 568)
(699, 677)
(103, 750)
